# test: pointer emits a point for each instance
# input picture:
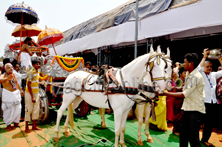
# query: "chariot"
(54, 70)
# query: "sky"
(59, 14)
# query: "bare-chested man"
(11, 97)
(26, 53)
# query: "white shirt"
(19, 76)
(193, 91)
(210, 95)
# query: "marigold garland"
(44, 78)
(47, 77)
(50, 81)
(68, 64)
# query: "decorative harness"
(165, 59)
(150, 64)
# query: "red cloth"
(169, 106)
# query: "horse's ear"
(168, 52)
(158, 49)
(151, 49)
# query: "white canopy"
(203, 14)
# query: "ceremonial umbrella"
(21, 13)
(27, 31)
(50, 36)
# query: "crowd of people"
(13, 94)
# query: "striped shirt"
(33, 76)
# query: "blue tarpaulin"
(116, 17)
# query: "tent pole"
(147, 46)
(136, 31)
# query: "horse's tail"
(70, 113)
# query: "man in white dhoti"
(11, 97)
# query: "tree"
(1, 58)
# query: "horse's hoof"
(140, 142)
(150, 140)
(103, 125)
(56, 139)
(67, 134)
(123, 144)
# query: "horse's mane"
(136, 60)
(91, 72)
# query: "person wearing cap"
(32, 98)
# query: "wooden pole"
(54, 49)
(21, 37)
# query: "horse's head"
(156, 67)
(168, 70)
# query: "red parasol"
(50, 36)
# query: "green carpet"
(87, 132)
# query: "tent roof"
(121, 14)
(203, 14)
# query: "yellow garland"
(68, 64)
(44, 78)
(50, 81)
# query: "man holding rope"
(32, 98)
(193, 105)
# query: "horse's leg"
(117, 118)
(75, 104)
(140, 120)
(102, 113)
(67, 99)
(147, 114)
(123, 123)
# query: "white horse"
(121, 103)
(147, 81)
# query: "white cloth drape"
(205, 13)
(11, 106)
(26, 60)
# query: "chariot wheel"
(44, 107)
(83, 109)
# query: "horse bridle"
(165, 59)
(151, 64)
